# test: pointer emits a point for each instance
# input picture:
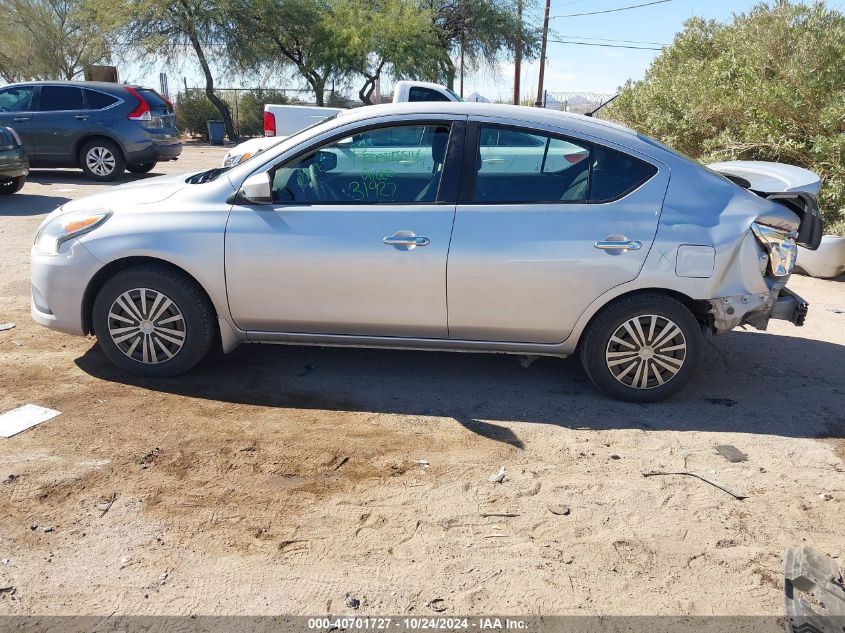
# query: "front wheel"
(153, 321)
(11, 185)
(643, 348)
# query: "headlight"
(235, 159)
(780, 246)
(67, 226)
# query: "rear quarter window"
(615, 174)
(99, 100)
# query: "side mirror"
(257, 189)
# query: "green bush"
(250, 111)
(193, 109)
(769, 85)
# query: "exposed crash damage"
(793, 220)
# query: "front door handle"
(81, 117)
(406, 240)
(618, 245)
(21, 119)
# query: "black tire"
(11, 185)
(113, 166)
(198, 321)
(598, 350)
(141, 168)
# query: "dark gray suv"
(103, 128)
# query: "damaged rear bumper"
(757, 309)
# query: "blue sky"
(570, 67)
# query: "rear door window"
(99, 100)
(517, 166)
(60, 98)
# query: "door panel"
(325, 269)
(61, 120)
(354, 244)
(525, 272)
(16, 113)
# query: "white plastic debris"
(499, 477)
(20, 419)
(6, 326)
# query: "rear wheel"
(153, 321)
(102, 160)
(11, 185)
(643, 348)
(141, 168)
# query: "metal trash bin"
(216, 132)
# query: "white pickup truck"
(281, 121)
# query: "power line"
(604, 39)
(633, 6)
(636, 48)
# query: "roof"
(99, 85)
(518, 114)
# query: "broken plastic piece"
(821, 608)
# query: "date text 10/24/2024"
(364, 623)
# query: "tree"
(767, 85)
(47, 39)
(165, 28)
(481, 30)
(301, 33)
(387, 35)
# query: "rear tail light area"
(780, 247)
(269, 124)
(142, 111)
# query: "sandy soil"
(279, 479)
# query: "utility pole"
(539, 102)
(462, 68)
(517, 58)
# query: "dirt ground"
(280, 479)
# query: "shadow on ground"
(21, 204)
(749, 383)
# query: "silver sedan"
(462, 227)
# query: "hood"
(145, 191)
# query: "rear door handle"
(618, 245)
(21, 119)
(81, 117)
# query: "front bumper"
(58, 286)
(13, 164)
(757, 310)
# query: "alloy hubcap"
(146, 325)
(100, 161)
(646, 351)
